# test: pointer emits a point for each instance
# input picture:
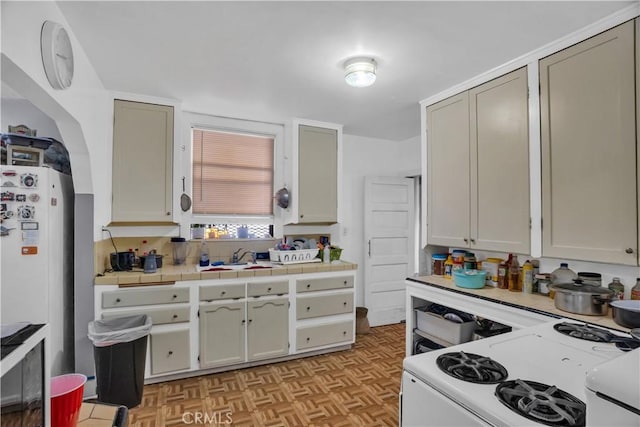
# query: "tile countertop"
(173, 273)
(535, 302)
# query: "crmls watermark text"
(206, 418)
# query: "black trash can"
(120, 351)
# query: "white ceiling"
(272, 61)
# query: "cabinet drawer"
(159, 316)
(310, 285)
(169, 351)
(315, 336)
(271, 288)
(307, 307)
(128, 298)
(214, 292)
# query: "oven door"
(422, 405)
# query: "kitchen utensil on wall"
(581, 298)
(282, 198)
(185, 200)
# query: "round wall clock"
(57, 55)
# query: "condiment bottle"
(503, 275)
(448, 267)
(617, 288)
(514, 275)
(527, 277)
(326, 254)
(204, 255)
(635, 291)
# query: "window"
(232, 173)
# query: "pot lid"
(579, 286)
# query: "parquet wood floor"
(357, 387)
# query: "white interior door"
(389, 230)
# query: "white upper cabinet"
(315, 173)
(142, 162)
(478, 167)
(588, 136)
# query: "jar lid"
(442, 257)
(579, 286)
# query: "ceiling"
(271, 61)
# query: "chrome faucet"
(235, 259)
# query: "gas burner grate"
(542, 403)
(472, 368)
(583, 332)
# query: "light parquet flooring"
(357, 387)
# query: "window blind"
(232, 173)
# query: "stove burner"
(542, 403)
(627, 344)
(583, 332)
(472, 368)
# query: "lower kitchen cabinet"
(169, 351)
(325, 334)
(268, 328)
(222, 333)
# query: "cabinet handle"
(629, 250)
(175, 316)
(175, 296)
(344, 332)
(170, 352)
(308, 286)
(243, 321)
(308, 339)
(223, 292)
(344, 303)
(301, 215)
(473, 241)
(345, 282)
(117, 299)
(268, 289)
(308, 308)
(250, 320)
(466, 240)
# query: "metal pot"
(580, 298)
(626, 313)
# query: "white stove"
(535, 360)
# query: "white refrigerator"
(36, 248)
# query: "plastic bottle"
(527, 277)
(514, 275)
(635, 291)
(204, 255)
(448, 267)
(326, 254)
(150, 265)
(563, 274)
(618, 289)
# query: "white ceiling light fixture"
(360, 72)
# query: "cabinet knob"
(629, 250)
(308, 286)
(301, 215)
(345, 282)
(308, 308)
(308, 339)
(344, 303)
(466, 240)
(170, 352)
(175, 296)
(344, 332)
(243, 321)
(175, 316)
(268, 289)
(473, 241)
(168, 213)
(117, 299)
(223, 292)
(250, 320)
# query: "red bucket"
(66, 399)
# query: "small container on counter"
(491, 266)
(470, 262)
(448, 268)
(618, 289)
(544, 280)
(437, 264)
(503, 275)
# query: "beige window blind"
(232, 173)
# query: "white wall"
(22, 112)
(368, 157)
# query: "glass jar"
(437, 264)
(618, 289)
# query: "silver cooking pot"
(581, 298)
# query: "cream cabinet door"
(222, 334)
(268, 328)
(448, 172)
(142, 162)
(317, 175)
(499, 164)
(589, 183)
